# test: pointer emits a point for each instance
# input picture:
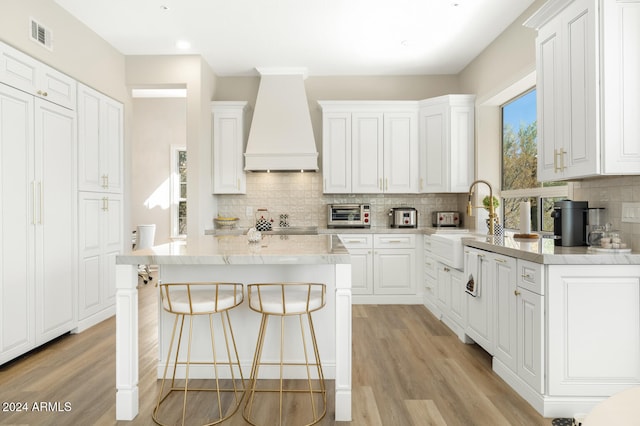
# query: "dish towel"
(472, 267)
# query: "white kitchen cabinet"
(100, 241)
(100, 142)
(594, 324)
(446, 146)
(505, 310)
(430, 278)
(587, 63)
(394, 264)
(360, 248)
(370, 147)
(32, 76)
(38, 216)
(384, 267)
(479, 324)
(336, 152)
(228, 174)
(530, 343)
(450, 298)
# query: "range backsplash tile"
(300, 196)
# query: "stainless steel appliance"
(446, 219)
(403, 217)
(569, 222)
(349, 216)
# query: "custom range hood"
(281, 136)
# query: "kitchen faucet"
(492, 211)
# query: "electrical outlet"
(631, 212)
(248, 212)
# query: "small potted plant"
(486, 202)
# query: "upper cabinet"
(588, 91)
(447, 143)
(370, 147)
(228, 145)
(100, 136)
(32, 76)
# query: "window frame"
(538, 193)
(174, 188)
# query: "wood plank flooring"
(408, 369)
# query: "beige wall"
(192, 73)
(159, 124)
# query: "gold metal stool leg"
(317, 413)
(190, 302)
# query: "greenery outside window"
(178, 191)
(519, 166)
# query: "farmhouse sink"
(447, 248)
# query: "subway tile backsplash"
(610, 193)
(300, 196)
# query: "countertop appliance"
(446, 219)
(348, 216)
(569, 222)
(403, 217)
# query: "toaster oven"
(349, 216)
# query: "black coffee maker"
(569, 222)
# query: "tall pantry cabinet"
(100, 138)
(38, 254)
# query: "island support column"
(126, 342)
(343, 343)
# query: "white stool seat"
(200, 301)
(296, 301)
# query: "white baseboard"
(94, 319)
(387, 299)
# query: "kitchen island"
(232, 258)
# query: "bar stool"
(190, 300)
(282, 300)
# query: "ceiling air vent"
(41, 34)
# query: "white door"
(367, 152)
(361, 271)
(479, 318)
(112, 142)
(17, 219)
(433, 148)
(56, 265)
(394, 271)
(505, 317)
(530, 343)
(336, 152)
(400, 153)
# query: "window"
(178, 191)
(519, 166)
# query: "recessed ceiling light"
(183, 44)
(164, 7)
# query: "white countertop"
(543, 250)
(236, 249)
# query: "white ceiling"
(328, 37)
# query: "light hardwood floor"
(408, 369)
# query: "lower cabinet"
(594, 329)
(100, 241)
(505, 306)
(384, 268)
(479, 324)
(450, 296)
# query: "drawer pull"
(527, 276)
(501, 260)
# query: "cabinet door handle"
(105, 204)
(516, 293)
(238, 184)
(386, 184)
(33, 190)
(380, 184)
(501, 260)
(41, 93)
(420, 184)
